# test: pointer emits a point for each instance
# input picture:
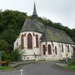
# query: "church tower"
(34, 15)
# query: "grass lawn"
(71, 67)
(4, 68)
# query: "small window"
(56, 50)
(37, 41)
(49, 49)
(44, 52)
(68, 48)
(62, 48)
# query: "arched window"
(37, 43)
(68, 48)
(22, 42)
(49, 49)
(44, 52)
(29, 41)
(62, 48)
(56, 50)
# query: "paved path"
(46, 68)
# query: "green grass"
(71, 67)
(4, 68)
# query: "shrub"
(5, 57)
(16, 55)
(72, 61)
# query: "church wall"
(56, 56)
(51, 56)
(60, 50)
(65, 51)
(70, 53)
(17, 43)
(60, 54)
(43, 57)
(30, 53)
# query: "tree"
(16, 55)
(5, 57)
(11, 23)
(3, 45)
(9, 36)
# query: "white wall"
(29, 52)
(60, 55)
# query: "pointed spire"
(34, 12)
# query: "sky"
(62, 11)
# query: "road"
(45, 68)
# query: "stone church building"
(40, 42)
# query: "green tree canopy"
(3, 45)
(5, 57)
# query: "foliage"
(16, 55)
(5, 57)
(10, 33)
(71, 64)
(72, 61)
(3, 45)
(11, 23)
(4, 68)
(71, 67)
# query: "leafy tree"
(5, 57)
(3, 45)
(9, 36)
(11, 23)
(16, 55)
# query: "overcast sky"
(62, 11)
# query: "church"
(41, 42)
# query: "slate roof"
(30, 25)
(58, 36)
(49, 33)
